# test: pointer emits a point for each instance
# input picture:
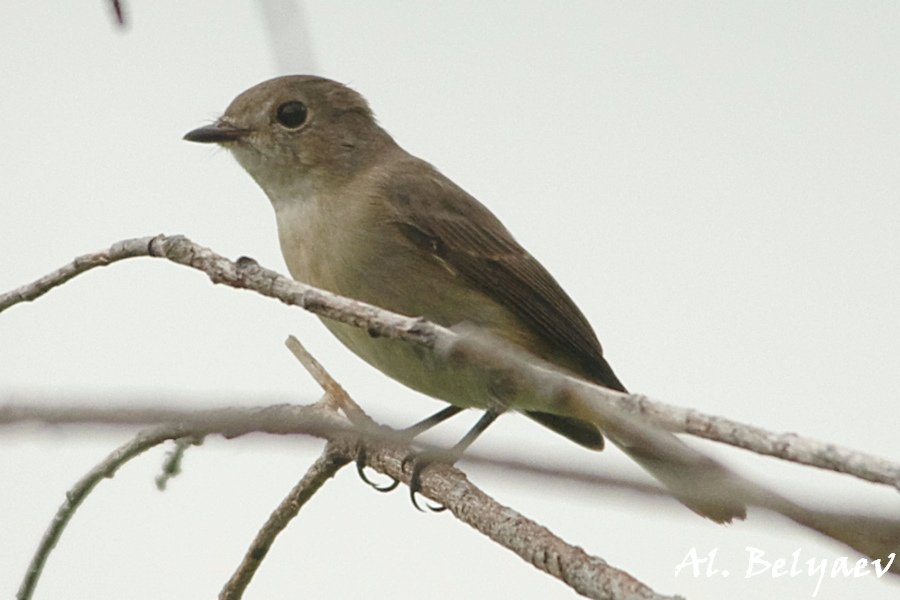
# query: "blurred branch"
(444, 484)
(871, 535)
(284, 420)
(231, 422)
(386, 451)
(118, 12)
(289, 36)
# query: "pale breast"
(356, 251)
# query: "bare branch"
(172, 464)
(588, 575)
(446, 485)
(323, 469)
(34, 290)
(290, 420)
(230, 422)
(246, 274)
(386, 450)
(787, 446)
(75, 496)
(118, 12)
(280, 419)
(333, 390)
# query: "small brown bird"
(359, 216)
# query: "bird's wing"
(438, 216)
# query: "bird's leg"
(410, 433)
(435, 419)
(424, 459)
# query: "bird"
(359, 216)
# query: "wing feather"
(440, 217)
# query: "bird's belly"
(380, 267)
(416, 367)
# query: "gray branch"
(633, 415)
(385, 453)
(321, 471)
(247, 274)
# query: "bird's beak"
(218, 133)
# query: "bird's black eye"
(291, 114)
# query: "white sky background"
(716, 186)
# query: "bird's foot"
(360, 469)
(421, 461)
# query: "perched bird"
(359, 216)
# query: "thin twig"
(74, 497)
(323, 469)
(119, 251)
(119, 12)
(172, 464)
(334, 391)
(230, 422)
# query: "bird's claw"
(420, 462)
(360, 469)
